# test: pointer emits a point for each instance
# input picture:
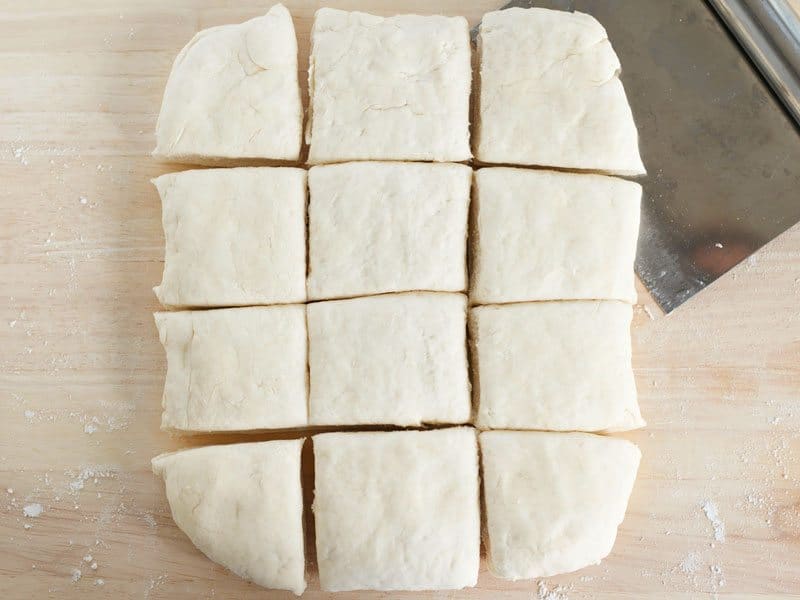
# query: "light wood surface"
(81, 370)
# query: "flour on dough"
(553, 501)
(397, 510)
(560, 366)
(396, 359)
(377, 227)
(550, 94)
(543, 235)
(233, 93)
(234, 237)
(234, 369)
(388, 88)
(242, 506)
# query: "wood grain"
(81, 369)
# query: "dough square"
(396, 359)
(553, 501)
(550, 94)
(233, 92)
(560, 366)
(388, 88)
(543, 235)
(242, 506)
(387, 227)
(234, 237)
(397, 510)
(234, 369)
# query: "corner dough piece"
(397, 510)
(234, 369)
(553, 501)
(560, 366)
(387, 227)
(242, 506)
(234, 237)
(233, 93)
(542, 235)
(550, 94)
(388, 88)
(396, 359)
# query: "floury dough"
(544, 235)
(388, 88)
(553, 501)
(395, 359)
(377, 227)
(234, 237)
(397, 510)
(560, 366)
(550, 94)
(234, 369)
(233, 93)
(242, 506)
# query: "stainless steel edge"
(769, 31)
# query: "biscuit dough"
(234, 369)
(397, 510)
(377, 227)
(388, 88)
(543, 235)
(242, 506)
(553, 501)
(560, 366)
(234, 237)
(550, 94)
(233, 92)
(396, 359)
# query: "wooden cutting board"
(715, 511)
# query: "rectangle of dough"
(550, 94)
(543, 235)
(388, 88)
(378, 227)
(396, 359)
(561, 366)
(553, 501)
(235, 369)
(397, 510)
(232, 93)
(242, 506)
(234, 237)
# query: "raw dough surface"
(388, 88)
(396, 359)
(234, 369)
(561, 366)
(234, 237)
(242, 506)
(550, 94)
(387, 227)
(543, 235)
(397, 510)
(233, 93)
(553, 501)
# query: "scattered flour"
(690, 564)
(544, 592)
(86, 473)
(712, 514)
(76, 575)
(32, 510)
